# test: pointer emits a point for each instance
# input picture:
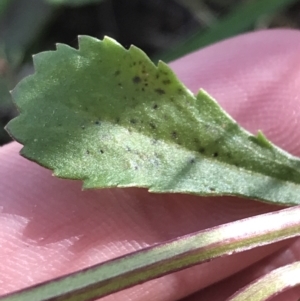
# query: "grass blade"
(240, 19)
(3, 6)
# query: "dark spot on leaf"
(133, 121)
(136, 79)
(97, 122)
(174, 134)
(212, 189)
(83, 127)
(166, 82)
(157, 76)
(101, 151)
(87, 152)
(192, 161)
(136, 168)
(128, 148)
(146, 84)
(120, 85)
(117, 120)
(117, 72)
(160, 91)
(201, 150)
(153, 126)
(180, 91)
(155, 106)
(216, 154)
(143, 89)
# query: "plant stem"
(271, 284)
(156, 261)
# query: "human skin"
(49, 227)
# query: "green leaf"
(110, 117)
(161, 259)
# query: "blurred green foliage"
(241, 18)
(73, 2)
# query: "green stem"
(138, 267)
(271, 284)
